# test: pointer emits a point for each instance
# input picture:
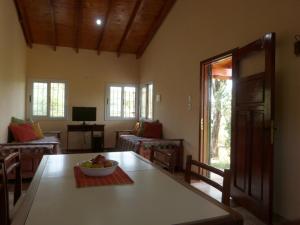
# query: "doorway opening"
(216, 102)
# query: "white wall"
(196, 30)
(12, 67)
(87, 76)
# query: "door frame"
(203, 115)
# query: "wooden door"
(252, 126)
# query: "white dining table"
(155, 198)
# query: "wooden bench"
(128, 140)
(142, 146)
(165, 158)
(32, 151)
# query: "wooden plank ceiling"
(128, 26)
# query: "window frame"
(30, 100)
(107, 101)
(146, 85)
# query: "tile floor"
(249, 218)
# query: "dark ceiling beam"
(78, 21)
(54, 33)
(109, 6)
(155, 26)
(23, 21)
(129, 24)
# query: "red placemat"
(118, 177)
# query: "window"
(47, 99)
(146, 102)
(121, 102)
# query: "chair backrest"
(225, 188)
(9, 164)
(164, 157)
(4, 202)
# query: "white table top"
(154, 199)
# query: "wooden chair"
(225, 189)
(165, 158)
(9, 164)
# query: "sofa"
(146, 135)
(31, 151)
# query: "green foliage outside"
(220, 126)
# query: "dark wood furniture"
(87, 128)
(7, 166)
(32, 151)
(142, 146)
(225, 189)
(118, 135)
(128, 140)
(166, 158)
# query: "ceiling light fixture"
(98, 22)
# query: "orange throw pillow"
(37, 130)
(141, 129)
(152, 130)
(136, 128)
(23, 132)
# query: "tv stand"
(87, 128)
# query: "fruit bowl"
(98, 167)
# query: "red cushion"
(23, 132)
(152, 130)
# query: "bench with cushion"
(145, 136)
(31, 151)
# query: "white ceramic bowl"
(99, 172)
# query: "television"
(84, 114)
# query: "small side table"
(91, 128)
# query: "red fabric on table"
(118, 177)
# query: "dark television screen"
(84, 114)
